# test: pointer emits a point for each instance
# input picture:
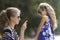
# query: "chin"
(17, 23)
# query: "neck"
(11, 25)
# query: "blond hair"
(51, 13)
(5, 17)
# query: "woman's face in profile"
(17, 18)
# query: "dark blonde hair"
(50, 12)
(5, 16)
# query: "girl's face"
(42, 12)
(16, 19)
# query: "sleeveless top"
(47, 32)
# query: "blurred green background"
(29, 12)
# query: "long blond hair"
(51, 13)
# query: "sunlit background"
(29, 12)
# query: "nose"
(19, 19)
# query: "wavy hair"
(50, 12)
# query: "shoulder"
(45, 18)
(7, 34)
(7, 29)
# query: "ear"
(11, 18)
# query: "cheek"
(16, 21)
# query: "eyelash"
(18, 16)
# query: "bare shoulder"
(45, 18)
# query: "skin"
(15, 20)
(43, 20)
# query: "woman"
(48, 22)
(8, 19)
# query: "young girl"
(48, 22)
(8, 19)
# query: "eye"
(39, 12)
(18, 17)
